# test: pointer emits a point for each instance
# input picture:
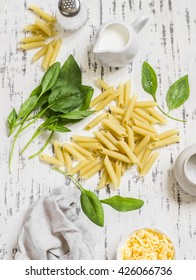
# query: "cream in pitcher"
(116, 43)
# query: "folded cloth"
(53, 230)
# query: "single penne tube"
(43, 51)
(130, 138)
(119, 117)
(67, 159)
(123, 168)
(142, 145)
(117, 110)
(58, 151)
(115, 155)
(95, 121)
(91, 146)
(101, 96)
(156, 115)
(31, 27)
(77, 168)
(149, 164)
(105, 141)
(47, 57)
(144, 132)
(112, 118)
(117, 168)
(128, 152)
(43, 26)
(107, 100)
(145, 157)
(33, 45)
(145, 104)
(127, 92)
(70, 149)
(91, 164)
(120, 99)
(50, 160)
(35, 38)
(102, 84)
(145, 126)
(129, 111)
(145, 115)
(84, 139)
(168, 133)
(93, 171)
(140, 155)
(138, 117)
(110, 137)
(116, 128)
(111, 172)
(164, 142)
(103, 180)
(83, 151)
(55, 52)
(42, 13)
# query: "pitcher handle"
(139, 23)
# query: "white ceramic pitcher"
(105, 47)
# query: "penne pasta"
(96, 121)
(112, 118)
(93, 170)
(145, 157)
(107, 100)
(117, 110)
(91, 164)
(55, 52)
(31, 27)
(116, 128)
(110, 137)
(119, 117)
(105, 141)
(58, 151)
(42, 52)
(42, 13)
(111, 171)
(77, 168)
(120, 99)
(142, 145)
(103, 179)
(145, 104)
(149, 164)
(129, 110)
(127, 91)
(35, 38)
(70, 149)
(144, 132)
(128, 152)
(156, 115)
(130, 138)
(45, 63)
(145, 115)
(168, 133)
(102, 84)
(145, 126)
(138, 117)
(101, 97)
(50, 160)
(84, 139)
(43, 26)
(164, 142)
(33, 45)
(123, 168)
(117, 168)
(67, 159)
(115, 155)
(91, 146)
(83, 151)
(140, 155)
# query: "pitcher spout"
(139, 23)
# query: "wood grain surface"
(168, 42)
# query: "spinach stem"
(43, 148)
(37, 133)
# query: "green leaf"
(65, 98)
(178, 93)
(12, 119)
(70, 73)
(50, 77)
(88, 93)
(76, 115)
(27, 107)
(92, 207)
(36, 91)
(149, 79)
(58, 128)
(123, 204)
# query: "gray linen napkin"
(53, 230)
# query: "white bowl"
(123, 241)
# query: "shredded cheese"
(148, 244)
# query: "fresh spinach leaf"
(76, 115)
(36, 91)
(92, 207)
(149, 79)
(27, 107)
(178, 93)
(12, 119)
(70, 73)
(88, 94)
(58, 128)
(123, 204)
(50, 77)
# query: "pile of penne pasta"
(126, 137)
(41, 30)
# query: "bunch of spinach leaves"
(60, 99)
(177, 94)
(92, 206)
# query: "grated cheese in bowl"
(146, 244)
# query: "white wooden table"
(168, 43)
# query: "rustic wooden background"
(168, 42)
